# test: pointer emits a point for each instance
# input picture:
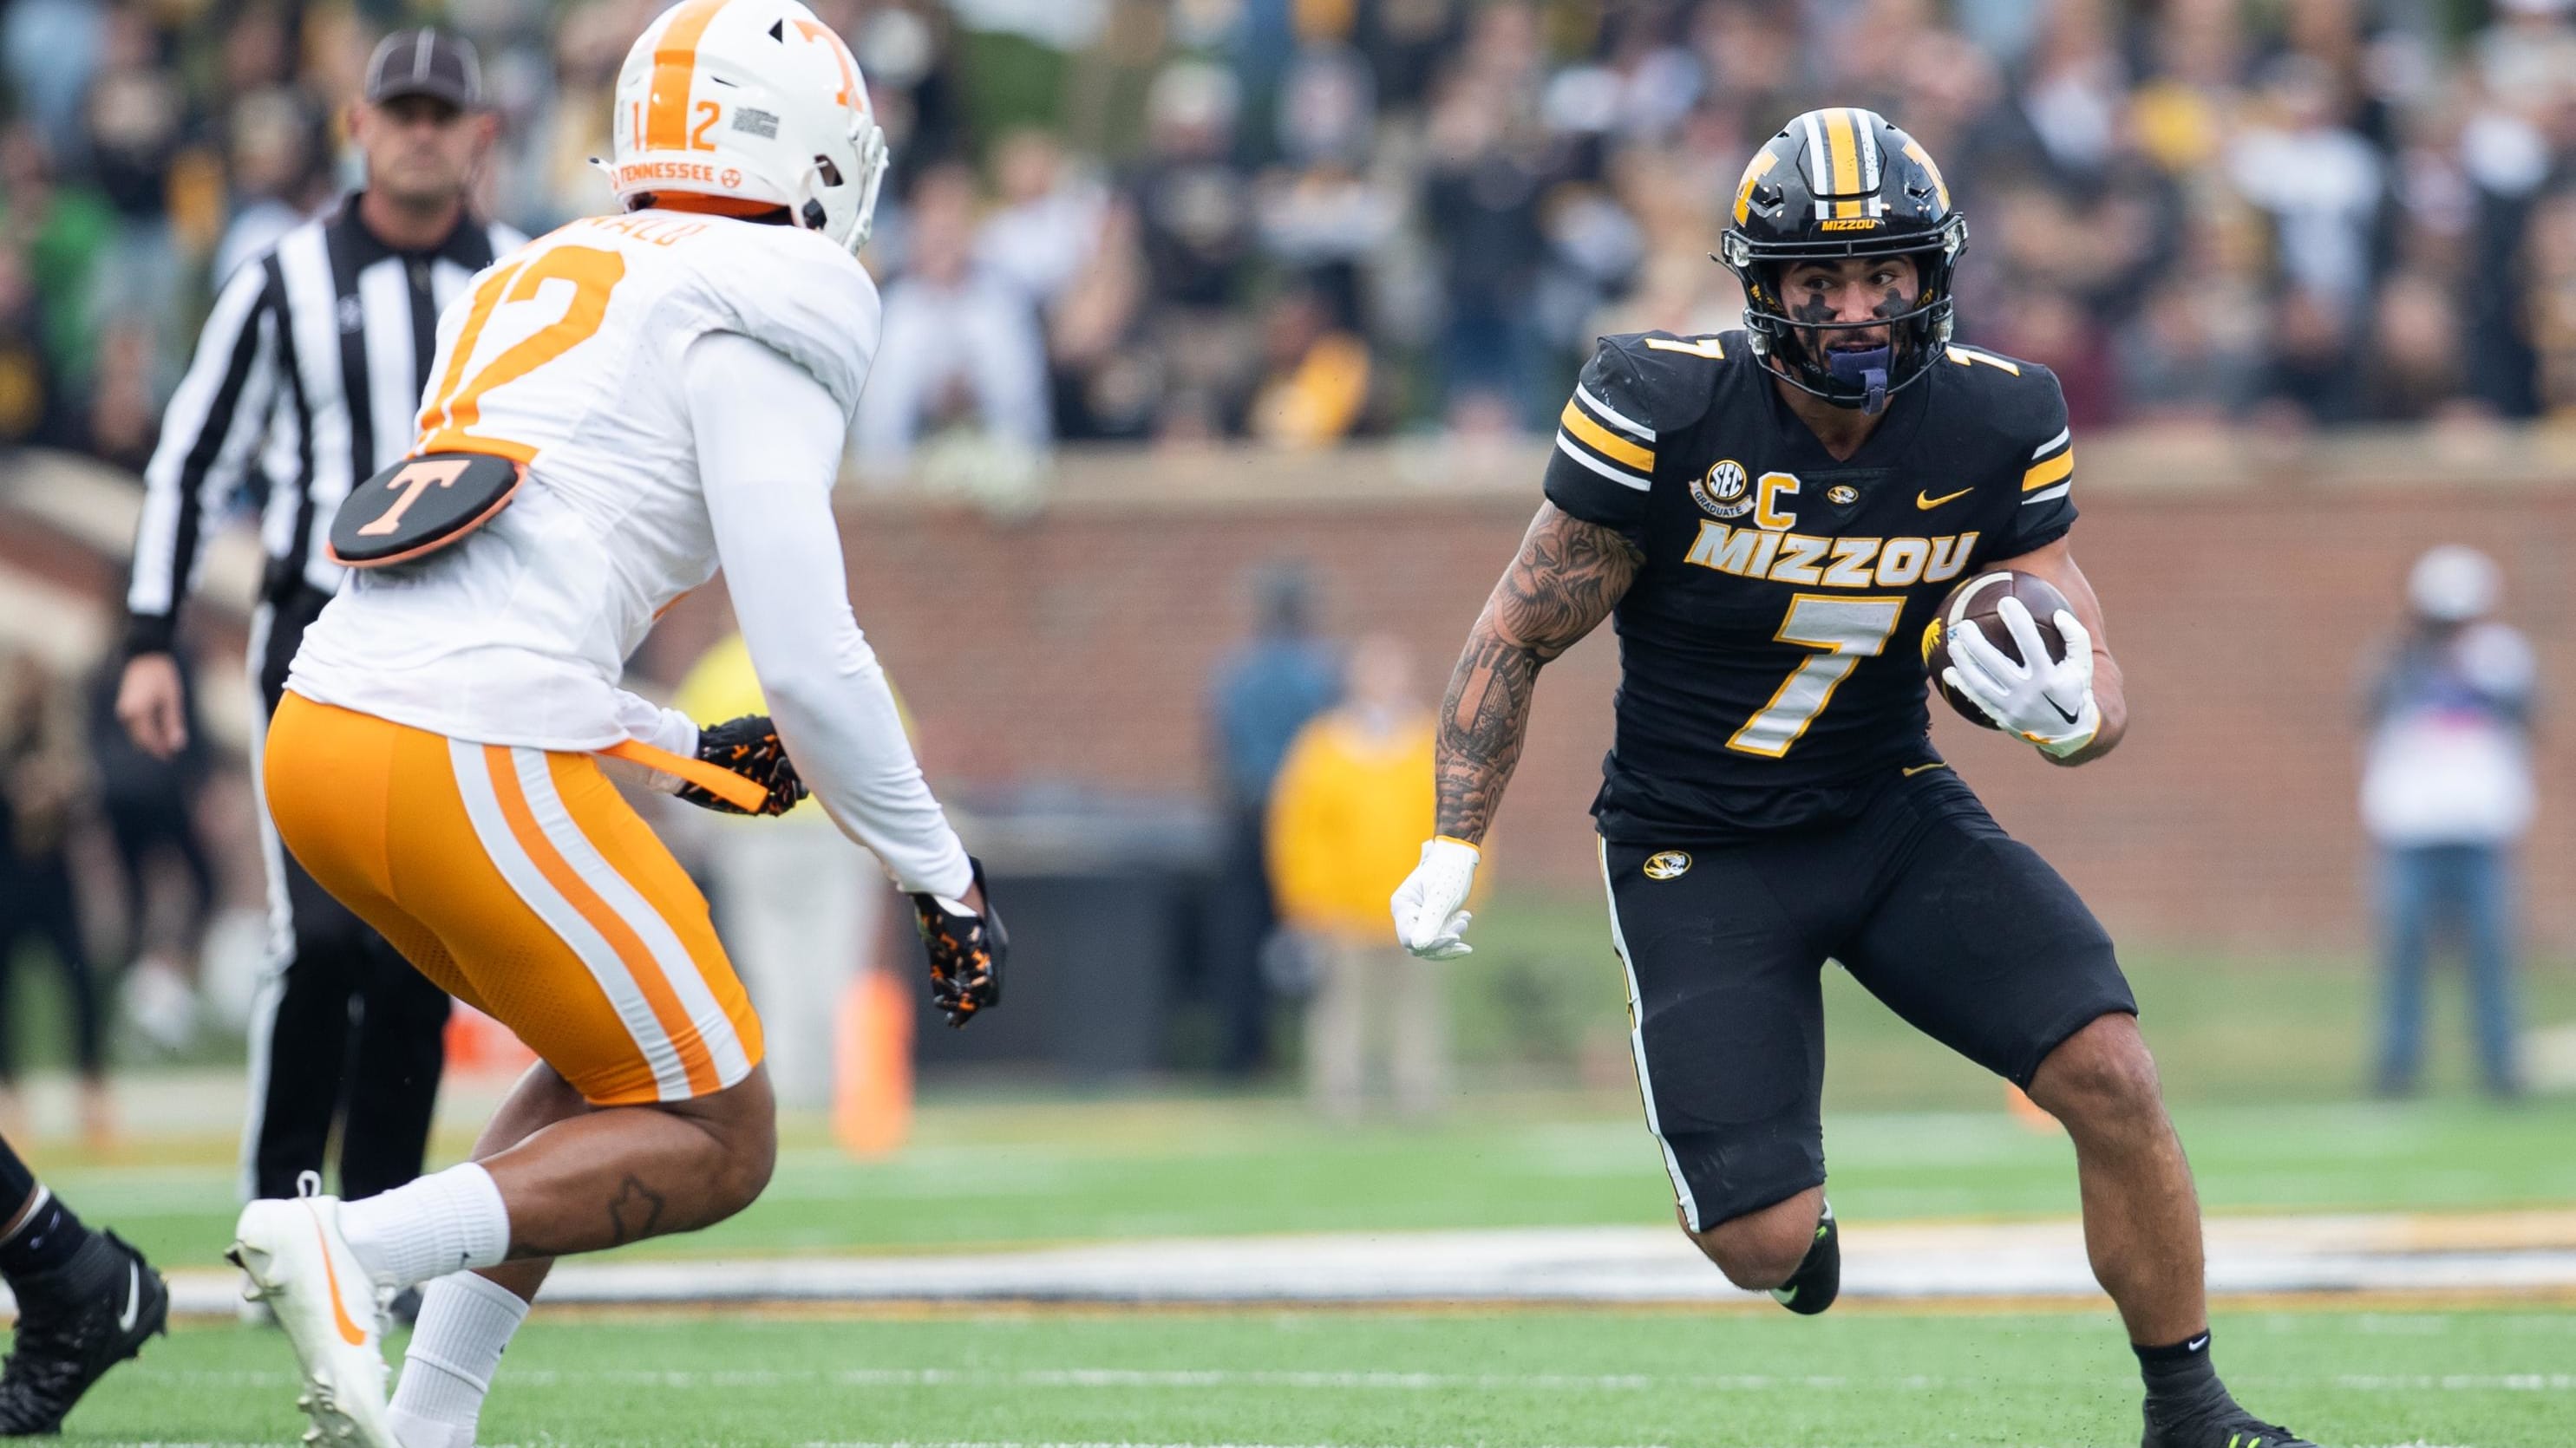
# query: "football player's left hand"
(748, 746)
(2046, 701)
(967, 948)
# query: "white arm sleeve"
(769, 444)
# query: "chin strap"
(1865, 370)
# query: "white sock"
(465, 1321)
(445, 1222)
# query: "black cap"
(425, 63)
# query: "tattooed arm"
(1567, 578)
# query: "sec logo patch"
(1723, 491)
(1667, 865)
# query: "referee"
(310, 371)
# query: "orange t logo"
(415, 479)
(849, 71)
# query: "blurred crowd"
(1299, 221)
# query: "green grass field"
(2260, 1057)
(1723, 1380)
(1023, 1172)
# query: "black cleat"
(1819, 1279)
(74, 1323)
(2213, 1422)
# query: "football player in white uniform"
(652, 394)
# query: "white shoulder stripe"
(1611, 415)
(2064, 435)
(2047, 494)
(1619, 475)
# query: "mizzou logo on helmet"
(1849, 223)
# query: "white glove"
(2046, 701)
(1428, 921)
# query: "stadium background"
(1266, 282)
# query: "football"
(1976, 601)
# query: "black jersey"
(1771, 668)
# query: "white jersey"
(566, 355)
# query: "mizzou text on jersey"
(1766, 645)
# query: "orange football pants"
(525, 886)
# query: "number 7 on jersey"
(1848, 630)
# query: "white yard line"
(2495, 1254)
(1234, 1380)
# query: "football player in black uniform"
(1772, 516)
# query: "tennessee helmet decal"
(749, 106)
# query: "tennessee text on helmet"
(752, 103)
(418, 506)
(1837, 183)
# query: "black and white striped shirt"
(311, 369)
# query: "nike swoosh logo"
(2197, 1343)
(1927, 503)
(1909, 774)
(2061, 710)
(133, 1298)
(350, 1332)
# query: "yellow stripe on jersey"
(1842, 145)
(1605, 442)
(1969, 356)
(2043, 474)
(1708, 347)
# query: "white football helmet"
(751, 101)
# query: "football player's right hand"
(967, 947)
(1429, 920)
(2029, 695)
(748, 746)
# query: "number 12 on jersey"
(1848, 630)
(448, 417)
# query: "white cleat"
(332, 1310)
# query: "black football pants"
(345, 1031)
(1956, 926)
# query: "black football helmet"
(1842, 182)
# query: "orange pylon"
(872, 1066)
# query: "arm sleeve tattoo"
(1568, 576)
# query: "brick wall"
(1075, 646)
